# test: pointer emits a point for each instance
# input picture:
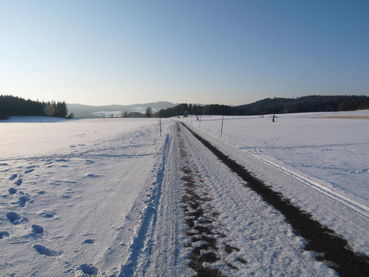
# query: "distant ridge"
(312, 103)
(88, 111)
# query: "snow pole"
(221, 128)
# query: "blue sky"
(232, 52)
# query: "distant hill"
(86, 111)
(313, 103)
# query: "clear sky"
(232, 52)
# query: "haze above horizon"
(228, 52)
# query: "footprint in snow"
(90, 175)
(19, 182)
(62, 160)
(88, 241)
(88, 269)
(37, 230)
(46, 251)
(47, 214)
(28, 170)
(4, 234)
(23, 200)
(14, 218)
(12, 191)
(13, 176)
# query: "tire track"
(203, 228)
(324, 242)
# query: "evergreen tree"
(16, 106)
(148, 112)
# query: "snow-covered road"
(330, 244)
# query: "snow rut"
(142, 245)
(206, 236)
(328, 246)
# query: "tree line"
(314, 103)
(17, 106)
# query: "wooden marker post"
(221, 128)
(160, 125)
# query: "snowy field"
(327, 149)
(66, 187)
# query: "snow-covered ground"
(66, 188)
(32, 136)
(110, 197)
(333, 152)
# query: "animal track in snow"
(46, 251)
(28, 170)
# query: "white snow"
(30, 136)
(332, 151)
(319, 163)
(105, 196)
(66, 188)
